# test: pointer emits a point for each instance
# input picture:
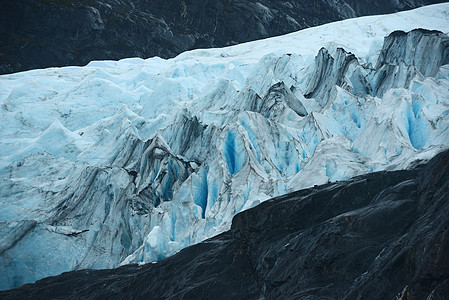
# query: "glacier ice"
(130, 161)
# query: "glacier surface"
(130, 161)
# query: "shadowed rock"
(45, 33)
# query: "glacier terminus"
(130, 161)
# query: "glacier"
(130, 161)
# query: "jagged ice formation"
(130, 161)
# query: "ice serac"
(278, 99)
(328, 72)
(131, 161)
(158, 172)
(424, 49)
(405, 56)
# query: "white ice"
(72, 137)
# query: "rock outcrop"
(48, 33)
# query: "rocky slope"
(376, 236)
(45, 33)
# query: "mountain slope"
(46, 33)
(372, 237)
(131, 161)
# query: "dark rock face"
(44, 33)
(373, 237)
